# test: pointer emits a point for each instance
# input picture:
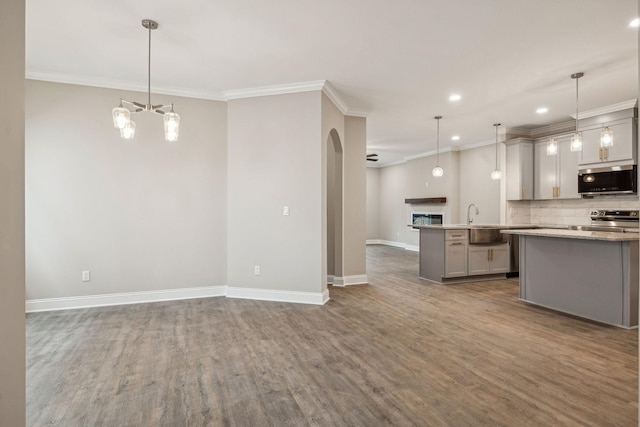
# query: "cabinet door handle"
(457, 244)
(605, 153)
(600, 153)
(456, 235)
(523, 192)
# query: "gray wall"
(373, 203)
(355, 194)
(275, 158)
(141, 215)
(466, 180)
(476, 185)
(12, 260)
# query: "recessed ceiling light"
(542, 110)
(635, 23)
(455, 138)
(455, 97)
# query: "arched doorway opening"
(334, 208)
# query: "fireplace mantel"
(426, 200)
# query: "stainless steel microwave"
(611, 180)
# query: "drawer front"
(456, 235)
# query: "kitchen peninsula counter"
(591, 274)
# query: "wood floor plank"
(400, 352)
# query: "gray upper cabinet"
(622, 150)
(556, 176)
(519, 169)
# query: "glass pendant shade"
(496, 174)
(576, 142)
(171, 126)
(121, 116)
(606, 138)
(552, 147)
(129, 130)
(437, 171)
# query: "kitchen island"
(590, 274)
(456, 253)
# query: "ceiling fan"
(372, 157)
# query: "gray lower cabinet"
(488, 259)
(446, 254)
(455, 258)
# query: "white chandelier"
(122, 113)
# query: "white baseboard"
(359, 279)
(394, 244)
(316, 298)
(330, 279)
(85, 301)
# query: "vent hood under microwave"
(611, 180)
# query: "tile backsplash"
(565, 212)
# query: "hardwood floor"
(399, 351)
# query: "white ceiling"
(395, 61)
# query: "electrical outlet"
(285, 210)
(86, 276)
(256, 270)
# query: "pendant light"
(552, 147)
(496, 174)
(606, 138)
(437, 171)
(122, 113)
(576, 141)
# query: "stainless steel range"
(624, 221)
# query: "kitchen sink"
(596, 228)
(485, 234)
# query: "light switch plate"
(86, 276)
(285, 210)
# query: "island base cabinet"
(594, 279)
(488, 259)
(455, 259)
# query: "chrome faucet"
(469, 220)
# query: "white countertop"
(576, 234)
(470, 226)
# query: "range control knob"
(595, 213)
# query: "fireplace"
(426, 218)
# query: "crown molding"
(354, 113)
(120, 85)
(431, 153)
(274, 90)
(317, 85)
(332, 94)
(552, 129)
(606, 109)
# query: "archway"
(334, 208)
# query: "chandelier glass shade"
(122, 113)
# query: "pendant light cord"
(497, 146)
(438, 141)
(577, 78)
(149, 72)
